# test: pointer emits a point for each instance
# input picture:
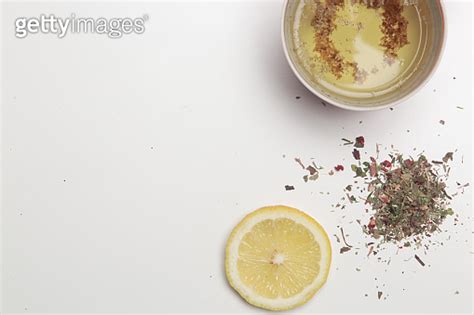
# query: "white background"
(126, 163)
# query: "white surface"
(126, 163)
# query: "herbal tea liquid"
(342, 47)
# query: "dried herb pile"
(400, 201)
(407, 197)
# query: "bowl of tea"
(363, 54)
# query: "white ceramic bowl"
(426, 61)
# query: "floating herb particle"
(298, 97)
(359, 142)
(379, 294)
(289, 187)
(460, 107)
(442, 122)
(419, 260)
(348, 187)
(456, 292)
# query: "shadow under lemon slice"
(277, 258)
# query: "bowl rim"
(365, 108)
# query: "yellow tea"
(358, 47)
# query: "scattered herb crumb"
(419, 260)
(298, 160)
(371, 249)
(448, 157)
(289, 187)
(339, 168)
(344, 249)
(312, 170)
(344, 238)
(347, 141)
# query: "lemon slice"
(277, 258)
